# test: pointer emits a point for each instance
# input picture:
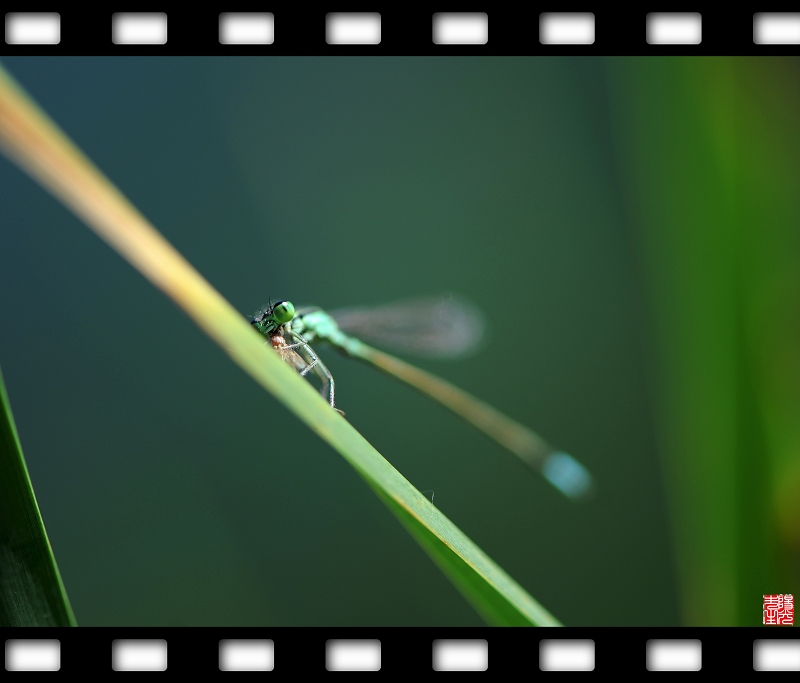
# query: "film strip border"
(713, 651)
(296, 30)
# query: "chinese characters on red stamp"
(779, 610)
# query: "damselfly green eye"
(283, 312)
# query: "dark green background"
(175, 491)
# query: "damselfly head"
(282, 312)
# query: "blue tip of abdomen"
(567, 475)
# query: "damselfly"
(442, 327)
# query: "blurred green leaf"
(712, 160)
(31, 591)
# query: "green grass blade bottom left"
(31, 590)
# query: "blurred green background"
(630, 227)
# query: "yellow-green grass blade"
(31, 590)
(32, 140)
(484, 596)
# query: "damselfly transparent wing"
(442, 327)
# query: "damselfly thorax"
(275, 323)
